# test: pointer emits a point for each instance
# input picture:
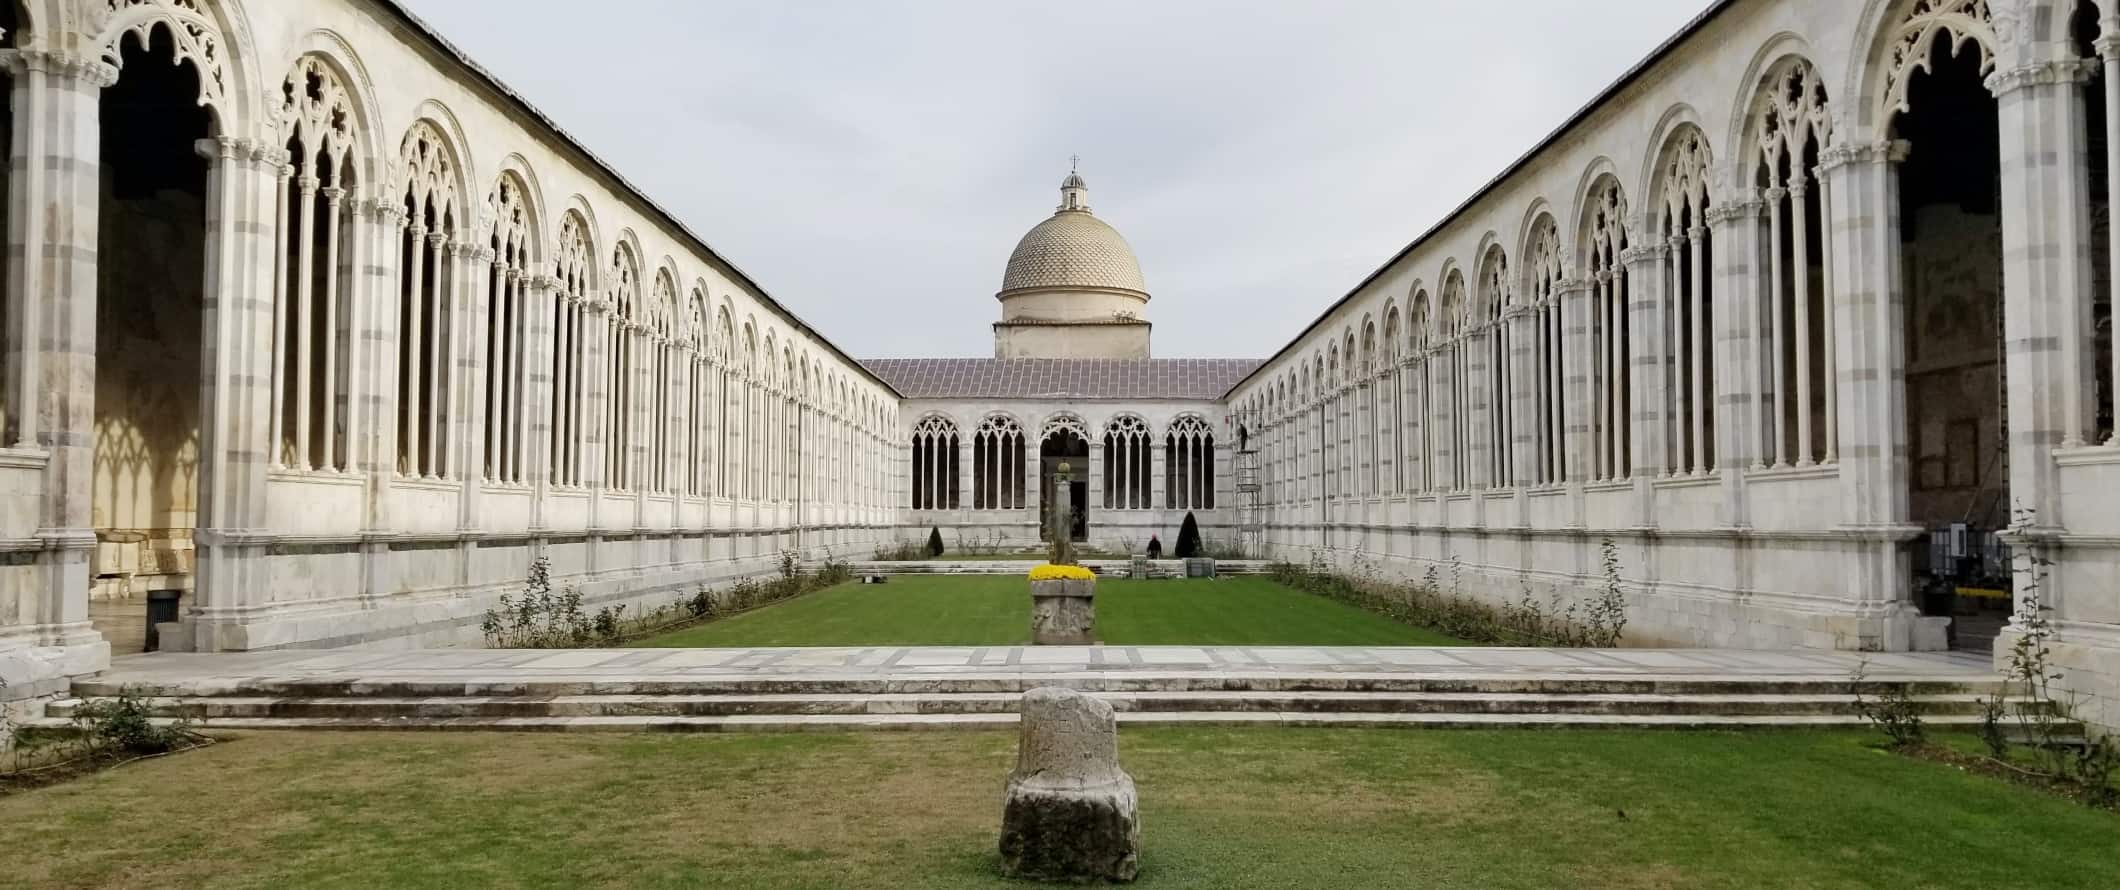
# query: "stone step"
(218, 708)
(853, 722)
(960, 683)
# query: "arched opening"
(1064, 443)
(997, 465)
(2099, 101)
(150, 296)
(1950, 222)
(1189, 465)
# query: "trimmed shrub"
(934, 547)
(1189, 538)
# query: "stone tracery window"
(1391, 408)
(507, 332)
(1454, 451)
(1366, 478)
(1492, 395)
(1605, 247)
(1684, 258)
(1189, 464)
(1421, 402)
(997, 464)
(1127, 455)
(1797, 420)
(1543, 297)
(430, 250)
(701, 405)
(570, 386)
(622, 333)
(935, 464)
(660, 342)
(314, 274)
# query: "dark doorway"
(150, 297)
(1066, 446)
(1957, 435)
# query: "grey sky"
(872, 164)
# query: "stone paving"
(619, 666)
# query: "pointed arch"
(513, 243)
(998, 466)
(573, 296)
(430, 195)
(1678, 229)
(1189, 464)
(935, 463)
(1604, 247)
(1790, 121)
(317, 205)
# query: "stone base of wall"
(451, 616)
(2088, 659)
(29, 672)
(1658, 615)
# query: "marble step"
(217, 708)
(913, 682)
(860, 722)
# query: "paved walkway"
(210, 671)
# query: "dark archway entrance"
(1064, 444)
(1950, 215)
(151, 245)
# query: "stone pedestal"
(1071, 813)
(1063, 613)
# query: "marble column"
(1870, 311)
(45, 635)
(235, 413)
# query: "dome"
(1073, 250)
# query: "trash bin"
(161, 607)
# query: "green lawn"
(994, 610)
(1221, 808)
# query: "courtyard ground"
(994, 610)
(1221, 808)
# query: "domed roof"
(1073, 249)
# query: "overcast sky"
(871, 164)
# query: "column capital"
(2059, 71)
(1734, 211)
(89, 70)
(1883, 151)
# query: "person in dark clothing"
(1155, 547)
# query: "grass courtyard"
(994, 610)
(1221, 808)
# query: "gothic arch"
(1741, 131)
(331, 50)
(539, 225)
(212, 35)
(1675, 120)
(1527, 233)
(1587, 185)
(1894, 40)
(450, 132)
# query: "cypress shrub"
(1189, 538)
(934, 547)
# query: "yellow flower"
(1050, 572)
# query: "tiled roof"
(1073, 249)
(1189, 379)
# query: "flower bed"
(1051, 572)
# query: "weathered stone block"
(1071, 813)
(1063, 612)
